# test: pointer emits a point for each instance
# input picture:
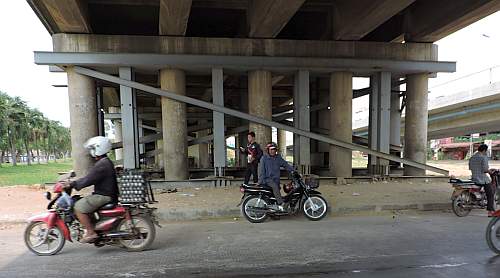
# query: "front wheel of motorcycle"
(254, 209)
(142, 232)
(493, 235)
(458, 205)
(315, 207)
(43, 241)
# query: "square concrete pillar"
(159, 146)
(118, 132)
(415, 146)
(260, 103)
(175, 145)
(341, 123)
(302, 120)
(379, 121)
(203, 149)
(282, 142)
(83, 118)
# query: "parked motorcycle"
(258, 200)
(129, 224)
(467, 195)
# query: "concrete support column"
(220, 156)
(159, 146)
(83, 118)
(175, 145)
(243, 141)
(395, 134)
(415, 147)
(260, 103)
(118, 132)
(203, 149)
(302, 120)
(129, 121)
(341, 123)
(282, 142)
(380, 99)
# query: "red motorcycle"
(130, 224)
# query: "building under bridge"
(179, 76)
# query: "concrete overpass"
(241, 60)
(463, 113)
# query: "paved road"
(410, 245)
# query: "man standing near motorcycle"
(269, 172)
(103, 176)
(479, 167)
(254, 154)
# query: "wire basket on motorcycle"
(134, 188)
(311, 180)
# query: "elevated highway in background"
(475, 110)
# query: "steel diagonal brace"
(252, 118)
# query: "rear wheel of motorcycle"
(248, 209)
(493, 235)
(142, 228)
(457, 205)
(34, 235)
(315, 207)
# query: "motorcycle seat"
(258, 187)
(462, 182)
(108, 206)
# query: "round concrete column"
(341, 123)
(118, 133)
(282, 142)
(260, 103)
(159, 145)
(203, 153)
(174, 124)
(83, 118)
(415, 147)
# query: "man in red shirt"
(254, 153)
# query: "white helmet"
(98, 146)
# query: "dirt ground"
(459, 168)
(21, 202)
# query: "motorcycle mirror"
(47, 195)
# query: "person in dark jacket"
(269, 172)
(103, 176)
(254, 153)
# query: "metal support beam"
(302, 148)
(218, 122)
(379, 121)
(245, 63)
(252, 118)
(129, 121)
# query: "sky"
(474, 48)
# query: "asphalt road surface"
(404, 245)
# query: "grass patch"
(35, 174)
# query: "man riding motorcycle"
(269, 172)
(479, 167)
(103, 176)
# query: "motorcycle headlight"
(47, 195)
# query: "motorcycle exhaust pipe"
(118, 235)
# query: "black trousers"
(490, 196)
(252, 171)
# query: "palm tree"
(37, 122)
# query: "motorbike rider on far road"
(269, 172)
(103, 176)
(479, 167)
